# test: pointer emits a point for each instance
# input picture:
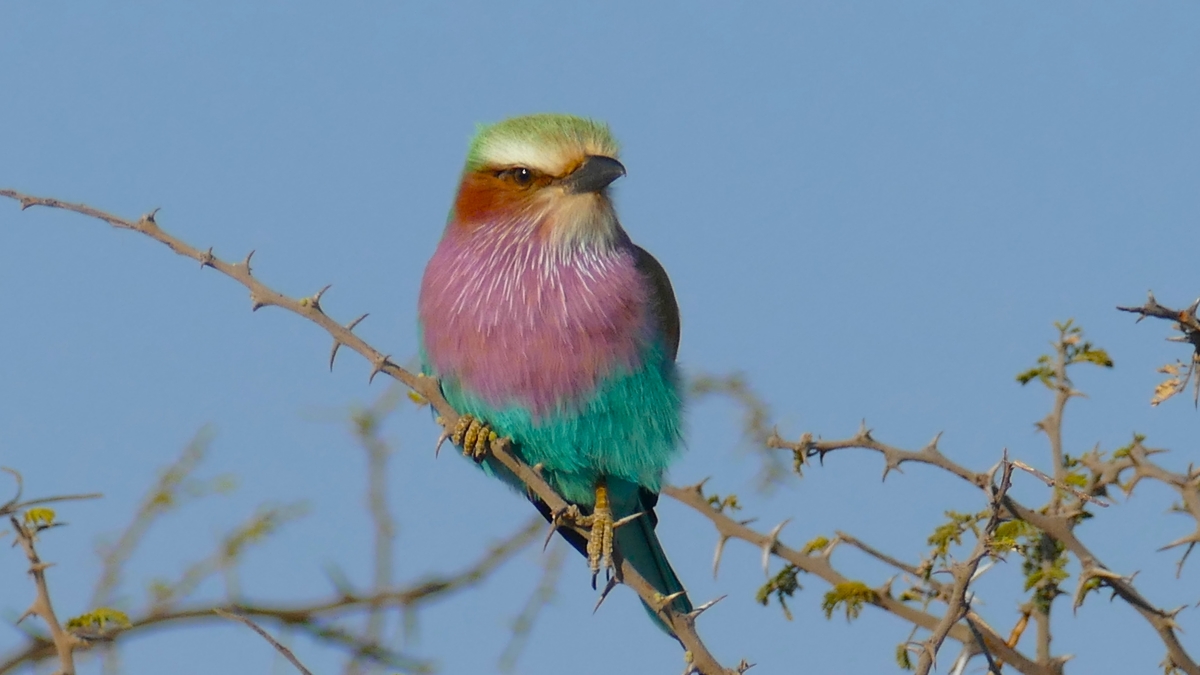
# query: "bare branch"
(64, 643)
(1051, 482)
(15, 505)
(287, 653)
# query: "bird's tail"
(637, 543)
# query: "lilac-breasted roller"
(545, 323)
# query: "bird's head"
(546, 174)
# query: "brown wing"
(666, 310)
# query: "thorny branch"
(1071, 492)
(819, 563)
(683, 626)
(959, 604)
(1188, 325)
(1058, 527)
(62, 643)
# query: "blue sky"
(874, 210)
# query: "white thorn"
(769, 545)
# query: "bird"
(544, 323)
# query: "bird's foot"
(601, 526)
(473, 436)
(600, 538)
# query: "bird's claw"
(473, 436)
(600, 539)
(600, 526)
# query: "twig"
(287, 653)
(15, 505)
(993, 665)
(1051, 482)
(64, 643)
(957, 604)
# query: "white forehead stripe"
(547, 158)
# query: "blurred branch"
(755, 419)
(366, 423)
(522, 626)
(15, 505)
(173, 486)
(314, 617)
(287, 653)
(261, 295)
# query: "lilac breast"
(518, 321)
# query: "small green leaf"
(814, 545)
(903, 658)
(852, 594)
(99, 618)
(783, 586)
(39, 517)
(952, 531)
(719, 504)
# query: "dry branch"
(958, 603)
(64, 644)
(819, 564)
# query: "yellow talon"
(473, 436)
(601, 526)
(600, 539)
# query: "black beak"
(595, 174)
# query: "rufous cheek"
(485, 198)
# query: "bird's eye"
(519, 175)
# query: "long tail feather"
(638, 544)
